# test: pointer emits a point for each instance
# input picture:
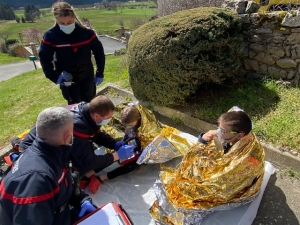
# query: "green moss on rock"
(169, 58)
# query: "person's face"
(130, 125)
(227, 134)
(65, 20)
(98, 118)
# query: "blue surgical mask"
(67, 29)
(104, 122)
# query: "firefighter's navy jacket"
(71, 53)
(37, 187)
(85, 133)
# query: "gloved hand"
(125, 152)
(60, 80)
(119, 144)
(98, 80)
(67, 76)
(65, 79)
(86, 207)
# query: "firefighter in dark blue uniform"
(88, 118)
(65, 55)
(39, 187)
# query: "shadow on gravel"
(274, 208)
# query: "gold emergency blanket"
(150, 129)
(208, 180)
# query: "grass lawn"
(6, 58)
(101, 20)
(24, 96)
(273, 108)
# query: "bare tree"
(32, 34)
(5, 35)
(137, 22)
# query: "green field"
(101, 19)
(24, 96)
(6, 58)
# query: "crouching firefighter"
(39, 187)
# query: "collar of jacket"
(83, 107)
(61, 153)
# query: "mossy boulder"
(170, 57)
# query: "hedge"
(170, 57)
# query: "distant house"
(21, 8)
(121, 32)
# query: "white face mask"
(67, 29)
(104, 122)
(70, 144)
(131, 127)
(221, 136)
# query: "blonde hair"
(130, 114)
(63, 9)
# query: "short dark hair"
(130, 114)
(101, 105)
(238, 121)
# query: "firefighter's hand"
(125, 152)
(98, 80)
(119, 144)
(86, 208)
(60, 80)
(65, 79)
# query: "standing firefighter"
(70, 44)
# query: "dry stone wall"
(271, 46)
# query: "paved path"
(281, 202)
(110, 44)
(8, 71)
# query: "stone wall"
(271, 46)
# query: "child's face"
(131, 125)
(224, 132)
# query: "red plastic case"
(116, 211)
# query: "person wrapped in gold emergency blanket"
(212, 176)
(161, 143)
